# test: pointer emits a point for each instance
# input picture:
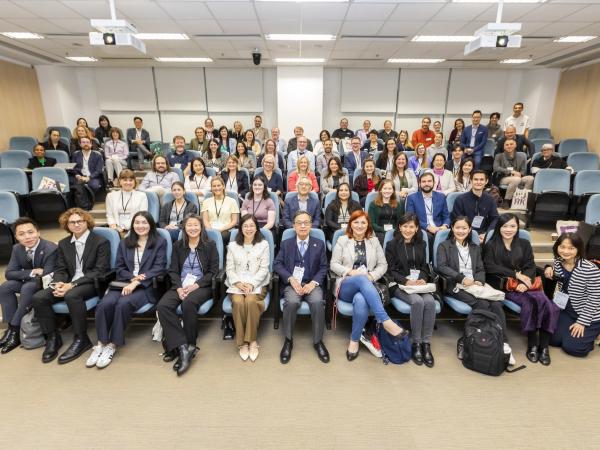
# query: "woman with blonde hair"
(302, 170)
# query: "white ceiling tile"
(40, 26)
(240, 26)
(346, 54)
(364, 11)
(73, 25)
(461, 11)
(140, 9)
(322, 27)
(587, 14)
(510, 13)
(48, 9)
(415, 11)
(324, 11)
(352, 44)
(590, 30)
(550, 12)
(361, 28)
(92, 9)
(280, 26)
(164, 25)
(232, 10)
(199, 26)
(278, 11)
(395, 28)
(185, 10)
(11, 10)
(437, 28)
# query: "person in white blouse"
(247, 279)
(198, 181)
(220, 212)
(463, 180)
(443, 179)
(122, 205)
(116, 152)
(404, 179)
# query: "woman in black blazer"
(338, 212)
(142, 255)
(235, 180)
(367, 181)
(407, 265)
(194, 264)
(173, 212)
(459, 261)
(39, 159)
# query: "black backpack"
(83, 196)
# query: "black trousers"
(167, 315)
(75, 300)
(480, 303)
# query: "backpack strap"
(516, 369)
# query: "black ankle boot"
(427, 355)
(417, 356)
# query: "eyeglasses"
(76, 222)
(302, 224)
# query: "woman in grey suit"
(172, 213)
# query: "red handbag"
(512, 283)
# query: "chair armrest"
(496, 281)
(101, 282)
(276, 295)
(218, 282)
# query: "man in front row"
(81, 258)
(30, 259)
(302, 265)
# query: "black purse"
(383, 291)
(117, 285)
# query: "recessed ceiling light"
(299, 60)
(162, 36)
(81, 58)
(421, 38)
(496, 1)
(575, 38)
(300, 37)
(515, 61)
(22, 35)
(171, 59)
(415, 60)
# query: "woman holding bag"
(507, 256)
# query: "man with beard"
(161, 178)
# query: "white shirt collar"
(82, 239)
(34, 248)
(298, 240)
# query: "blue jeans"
(359, 291)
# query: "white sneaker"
(508, 351)
(93, 359)
(367, 342)
(106, 357)
(244, 352)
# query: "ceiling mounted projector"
(495, 35)
(115, 31)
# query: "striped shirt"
(583, 290)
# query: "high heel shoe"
(352, 356)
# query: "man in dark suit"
(88, 166)
(138, 140)
(302, 265)
(82, 257)
(474, 138)
(355, 158)
(30, 259)
(302, 202)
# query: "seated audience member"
(356, 157)
(260, 132)
(235, 180)
(386, 210)
(367, 181)
(518, 120)
(548, 160)
(437, 126)
(577, 295)
(437, 147)
(138, 140)
(250, 142)
(245, 160)
(402, 141)
(302, 266)
(194, 264)
(358, 260)
(200, 142)
(88, 166)
(477, 205)
(523, 145)
(226, 143)
(173, 212)
(81, 258)
(294, 155)
(259, 204)
(39, 158)
(404, 179)
(237, 132)
(343, 132)
(419, 162)
(474, 138)
(161, 178)
(270, 148)
(407, 265)
(213, 157)
(79, 134)
(429, 206)
(179, 157)
(123, 204)
(54, 142)
(198, 181)
(363, 133)
(372, 145)
(302, 170)
(318, 147)
(325, 156)
(333, 176)
(103, 132)
(141, 256)
(280, 143)
(456, 133)
(273, 179)
(444, 180)
(220, 212)
(494, 128)
(454, 163)
(247, 282)
(423, 135)
(292, 144)
(510, 168)
(386, 160)
(464, 179)
(31, 258)
(115, 153)
(82, 122)
(302, 202)
(459, 261)
(338, 212)
(209, 128)
(509, 257)
(387, 132)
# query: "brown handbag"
(512, 283)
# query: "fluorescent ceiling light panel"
(162, 36)
(415, 60)
(496, 1)
(571, 39)
(305, 1)
(515, 61)
(22, 35)
(81, 58)
(299, 60)
(421, 38)
(175, 59)
(300, 37)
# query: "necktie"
(29, 254)
(302, 248)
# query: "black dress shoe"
(532, 354)
(75, 350)
(286, 351)
(228, 329)
(4, 336)
(170, 355)
(322, 352)
(177, 364)
(417, 356)
(186, 354)
(53, 344)
(427, 355)
(13, 341)
(351, 356)
(544, 356)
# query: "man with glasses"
(356, 157)
(302, 265)
(303, 201)
(302, 150)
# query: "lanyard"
(137, 258)
(196, 181)
(178, 213)
(429, 208)
(253, 208)
(192, 263)
(414, 260)
(230, 183)
(465, 262)
(218, 211)
(124, 206)
(477, 207)
(344, 213)
(79, 258)
(161, 180)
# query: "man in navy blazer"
(356, 157)
(429, 206)
(302, 202)
(302, 266)
(138, 140)
(88, 166)
(474, 138)
(30, 259)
